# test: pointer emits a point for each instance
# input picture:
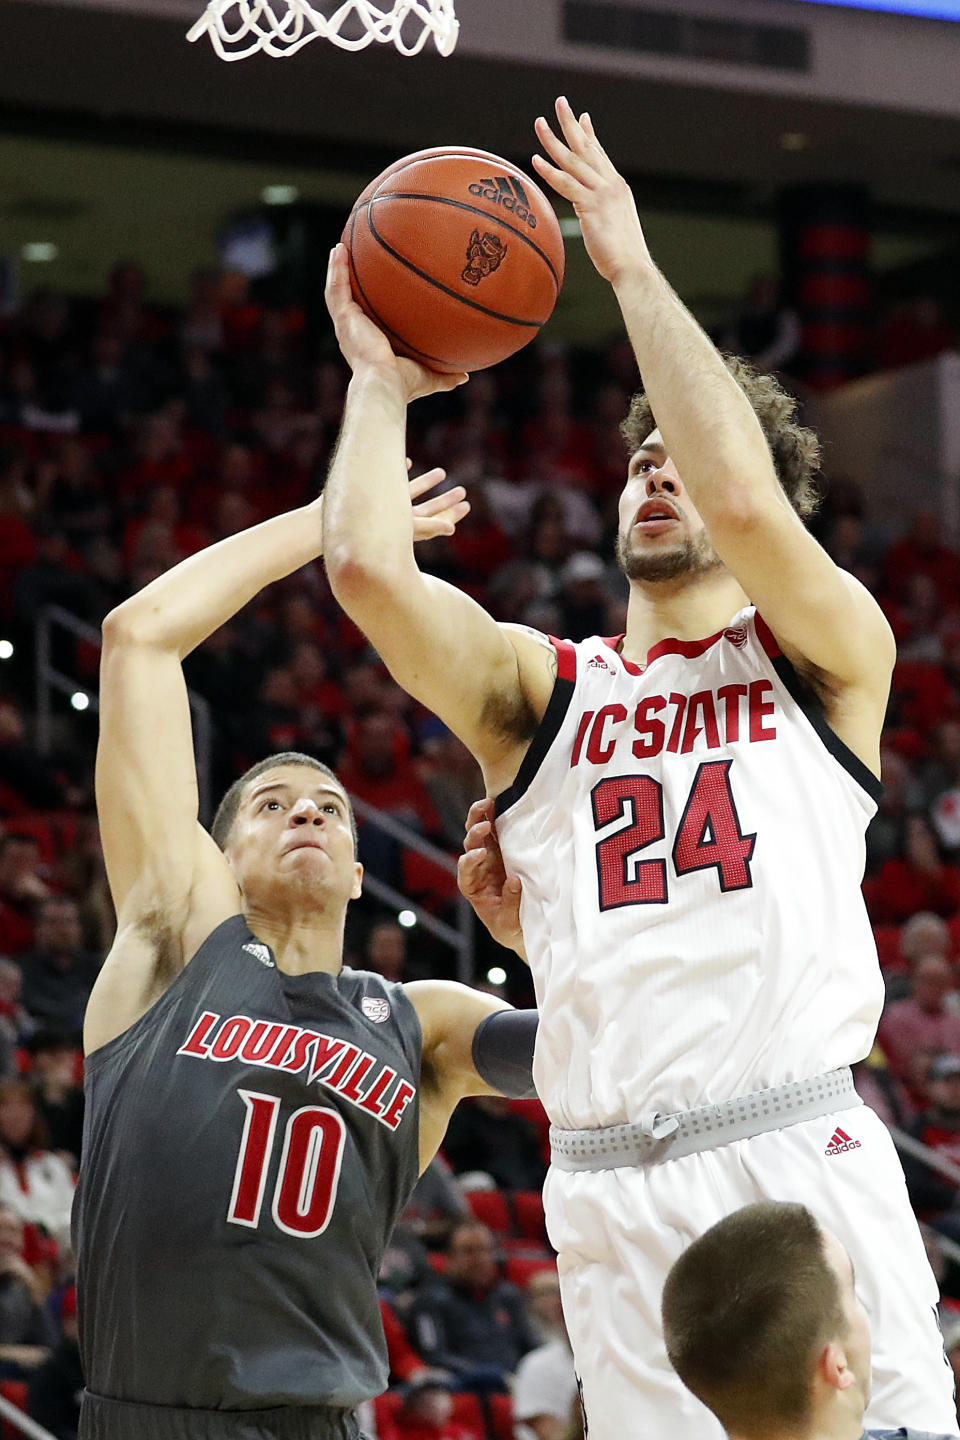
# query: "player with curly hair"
(681, 810)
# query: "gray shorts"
(103, 1419)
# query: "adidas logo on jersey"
(259, 952)
(598, 663)
(839, 1142)
(507, 192)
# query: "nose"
(658, 483)
(306, 812)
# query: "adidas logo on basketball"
(506, 191)
(839, 1142)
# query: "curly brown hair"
(795, 448)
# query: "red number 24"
(708, 836)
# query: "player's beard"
(695, 556)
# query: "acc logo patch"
(484, 254)
(375, 1008)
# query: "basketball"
(456, 255)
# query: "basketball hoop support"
(238, 28)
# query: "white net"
(238, 28)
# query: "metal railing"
(460, 939)
(22, 1422)
(50, 681)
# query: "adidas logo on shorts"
(839, 1142)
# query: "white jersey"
(690, 837)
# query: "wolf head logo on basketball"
(484, 255)
(507, 191)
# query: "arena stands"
(130, 436)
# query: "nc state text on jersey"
(706, 720)
(337, 1064)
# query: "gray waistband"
(656, 1137)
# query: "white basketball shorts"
(617, 1232)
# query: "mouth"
(303, 845)
(655, 516)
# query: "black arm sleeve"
(503, 1052)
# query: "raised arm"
(170, 883)
(711, 432)
(490, 685)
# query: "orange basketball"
(456, 255)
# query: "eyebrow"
(285, 785)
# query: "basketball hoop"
(238, 28)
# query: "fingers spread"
(421, 483)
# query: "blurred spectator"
(377, 767)
(917, 880)
(921, 551)
(53, 1070)
(486, 1135)
(405, 1364)
(469, 1321)
(26, 777)
(453, 780)
(15, 1024)
(545, 1386)
(426, 1413)
(25, 1332)
(437, 1202)
(924, 1021)
(36, 1184)
(940, 782)
(386, 950)
(584, 596)
(53, 1395)
(58, 974)
(21, 887)
(932, 1194)
(924, 934)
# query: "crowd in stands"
(131, 435)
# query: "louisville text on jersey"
(707, 720)
(337, 1064)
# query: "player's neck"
(681, 609)
(301, 943)
(836, 1426)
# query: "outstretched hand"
(483, 879)
(364, 345)
(583, 173)
(440, 514)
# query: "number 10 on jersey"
(708, 836)
(309, 1172)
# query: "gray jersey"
(248, 1145)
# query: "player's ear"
(833, 1367)
(357, 890)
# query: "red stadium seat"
(385, 1408)
(502, 1414)
(528, 1215)
(519, 1268)
(16, 1392)
(468, 1412)
(490, 1206)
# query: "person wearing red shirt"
(923, 1022)
(919, 880)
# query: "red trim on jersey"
(566, 658)
(766, 637)
(689, 649)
